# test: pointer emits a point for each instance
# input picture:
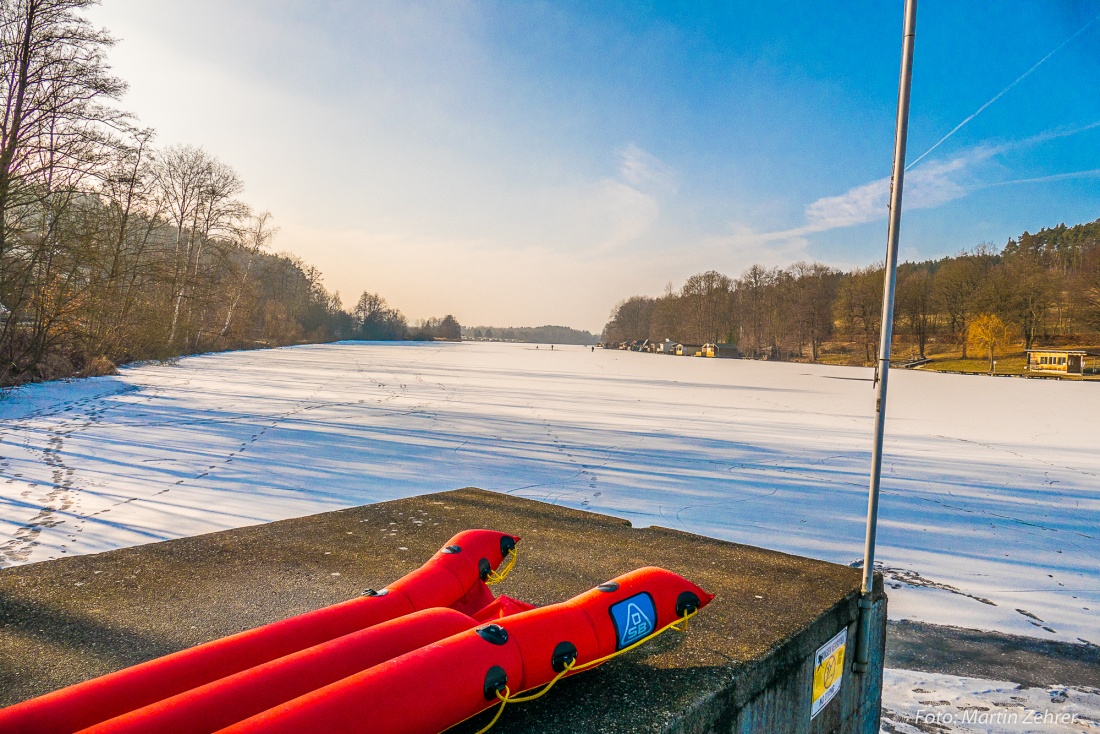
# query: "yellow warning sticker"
(828, 671)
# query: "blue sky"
(534, 162)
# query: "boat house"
(1065, 361)
(718, 350)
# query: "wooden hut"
(1063, 361)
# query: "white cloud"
(858, 205)
(641, 168)
(927, 187)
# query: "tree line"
(1042, 288)
(113, 249)
(531, 334)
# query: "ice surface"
(990, 507)
(914, 703)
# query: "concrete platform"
(745, 665)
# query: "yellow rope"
(671, 625)
(495, 577)
(572, 666)
(503, 702)
(540, 694)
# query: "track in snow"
(990, 503)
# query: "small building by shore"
(1064, 361)
(721, 349)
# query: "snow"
(914, 703)
(990, 503)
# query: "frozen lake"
(991, 489)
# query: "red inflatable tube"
(223, 702)
(453, 577)
(502, 606)
(458, 677)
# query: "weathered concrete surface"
(744, 665)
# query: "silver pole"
(887, 332)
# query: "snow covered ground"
(991, 497)
(925, 702)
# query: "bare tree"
(181, 172)
(1025, 293)
(1086, 288)
(53, 131)
(814, 291)
(665, 319)
(374, 319)
(755, 298)
(118, 272)
(959, 283)
(859, 308)
(198, 193)
(630, 320)
(256, 240)
(916, 304)
(449, 328)
(707, 305)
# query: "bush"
(98, 367)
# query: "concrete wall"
(745, 665)
(772, 695)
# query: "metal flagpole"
(863, 644)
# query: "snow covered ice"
(990, 503)
(914, 703)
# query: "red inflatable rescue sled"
(454, 577)
(432, 688)
(241, 695)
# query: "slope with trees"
(113, 249)
(1043, 288)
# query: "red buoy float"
(464, 674)
(241, 695)
(454, 577)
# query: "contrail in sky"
(1002, 93)
(1092, 173)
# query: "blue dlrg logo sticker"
(634, 618)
